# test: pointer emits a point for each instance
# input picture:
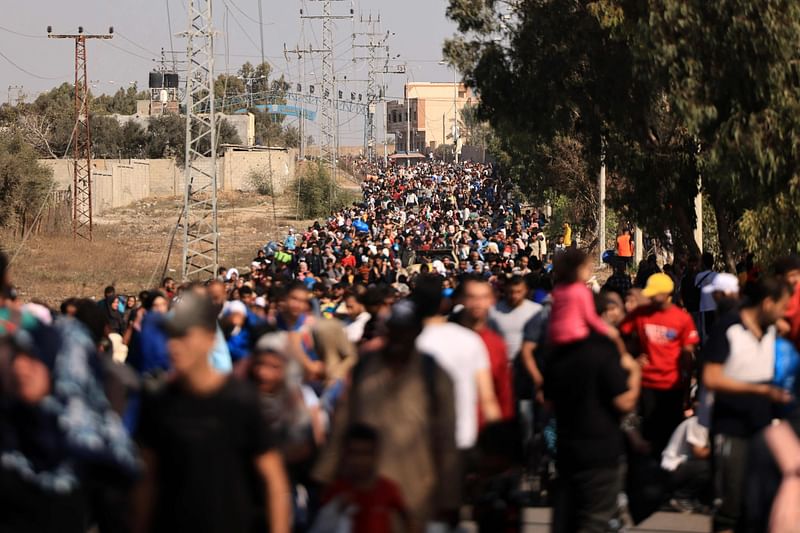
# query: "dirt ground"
(131, 244)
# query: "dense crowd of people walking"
(433, 354)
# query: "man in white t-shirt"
(687, 460)
(461, 353)
(510, 315)
(358, 315)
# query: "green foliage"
(318, 194)
(122, 102)
(24, 182)
(261, 181)
(167, 136)
(669, 90)
(771, 230)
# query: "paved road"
(537, 520)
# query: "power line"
(28, 72)
(236, 20)
(248, 17)
(29, 35)
(137, 45)
(134, 54)
(169, 27)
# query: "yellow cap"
(658, 284)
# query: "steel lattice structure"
(200, 235)
(277, 97)
(328, 125)
(82, 137)
(375, 41)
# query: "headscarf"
(50, 444)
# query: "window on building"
(462, 94)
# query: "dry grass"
(130, 246)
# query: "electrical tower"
(375, 41)
(328, 127)
(82, 136)
(200, 235)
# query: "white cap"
(724, 282)
(234, 307)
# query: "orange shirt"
(624, 246)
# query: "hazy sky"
(141, 30)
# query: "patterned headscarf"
(73, 428)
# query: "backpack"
(691, 292)
(429, 367)
(428, 375)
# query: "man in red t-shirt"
(789, 269)
(477, 298)
(666, 337)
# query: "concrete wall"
(120, 182)
(238, 165)
(115, 183)
(314, 150)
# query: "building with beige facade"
(432, 108)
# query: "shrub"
(261, 181)
(318, 194)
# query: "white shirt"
(462, 354)
(511, 323)
(679, 450)
(702, 279)
(355, 330)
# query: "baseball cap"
(658, 284)
(723, 282)
(193, 310)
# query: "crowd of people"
(435, 353)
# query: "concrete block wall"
(117, 183)
(238, 165)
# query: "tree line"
(677, 97)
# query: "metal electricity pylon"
(200, 235)
(375, 41)
(81, 136)
(328, 126)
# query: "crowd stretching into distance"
(435, 354)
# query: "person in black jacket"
(316, 263)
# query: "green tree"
(669, 90)
(122, 102)
(730, 68)
(318, 195)
(55, 112)
(166, 137)
(24, 182)
(256, 77)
